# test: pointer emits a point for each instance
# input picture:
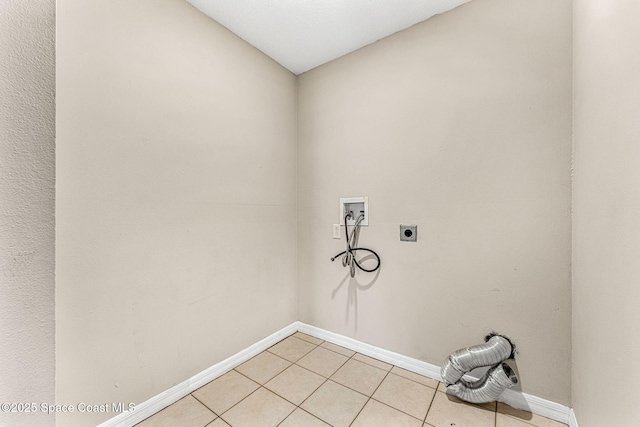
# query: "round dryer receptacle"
(408, 233)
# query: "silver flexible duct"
(498, 378)
(496, 349)
(488, 388)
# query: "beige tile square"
(507, 421)
(429, 382)
(376, 414)
(528, 417)
(224, 392)
(359, 376)
(308, 338)
(322, 361)
(292, 348)
(295, 384)
(263, 367)
(263, 408)
(406, 395)
(335, 404)
(300, 418)
(373, 362)
(338, 349)
(187, 412)
(447, 410)
(219, 422)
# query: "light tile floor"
(306, 382)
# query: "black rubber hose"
(352, 251)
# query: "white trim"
(536, 405)
(516, 399)
(399, 360)
(364, 200)
(573, 421)
(177, 392)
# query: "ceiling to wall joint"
(301, 35)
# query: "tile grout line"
(291, 364)
(302, 367)
(349, 352)
(396, 409)
(388, 372)
(430, 405)
(329, 379)
(326, 379)
(400, 410)
(238, 402)
(199, 401)
(370, 397)
(346, 386)
(254, 391)
(417, 382)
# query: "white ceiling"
(302, 34)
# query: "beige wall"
(176, 198)
(155, 280)
(606, 220)
(27, 162)
(475, 154)
(461, 125)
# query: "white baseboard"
(573, 422)
(157, 403)
(408, 363)
(536, 405)
(515, 399)
(144, 410)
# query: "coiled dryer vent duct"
(489, 388)
(496, 349)
(493, 352)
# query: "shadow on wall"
(353, 288)
(514, 395)
(516, 398)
